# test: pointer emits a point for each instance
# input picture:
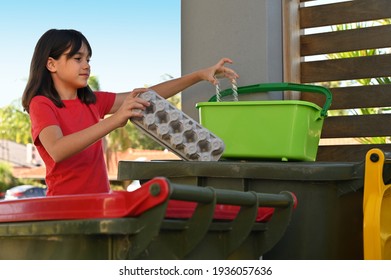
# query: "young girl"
(67, 118)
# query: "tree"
(364, 82)
(93, 82)
(7, 180)
(15, 124)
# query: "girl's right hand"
(219, 70)
(131, 106)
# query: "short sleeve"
(42, 114)
(104, 102)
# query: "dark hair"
(54, 43)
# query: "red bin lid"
(86, 206)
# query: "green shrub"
(7, 180)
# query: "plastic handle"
(282, 87)
(234, 91)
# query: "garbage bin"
(156, 221)
(327, 223)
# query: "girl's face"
(70, 74)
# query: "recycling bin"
(327, 223)
(160, 220)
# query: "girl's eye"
(80, 59)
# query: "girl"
(67, 118)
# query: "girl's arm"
(172, 87)
(61, 147)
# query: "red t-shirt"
(86, 171)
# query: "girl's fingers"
(133, 105)
(144, 103)
(136, 92)
(224, 61)
(133, 97)
(231, 74)
(226, 73)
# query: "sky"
(134, 43)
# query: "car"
(24, 191)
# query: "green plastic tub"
(271, 130)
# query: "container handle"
(234, 91)
(280, 87)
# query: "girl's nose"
(86, 65)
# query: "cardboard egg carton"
(175, 130)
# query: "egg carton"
(175, 130)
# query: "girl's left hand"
(130, 106)
(219, 70)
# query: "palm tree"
(364, 82)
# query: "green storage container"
(282, 130)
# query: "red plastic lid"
(87, 206)
(116, 204)
(178, 209)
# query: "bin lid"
(115, 204)
(178, 209)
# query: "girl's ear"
(51, 64)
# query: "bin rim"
(263, 102)
(266, 87)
